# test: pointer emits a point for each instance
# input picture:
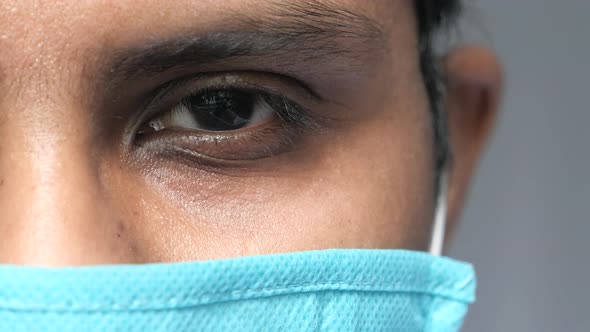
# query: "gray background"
(527, 223)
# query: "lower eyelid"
(243, 146)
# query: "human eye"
(215, 110)
(225, 118)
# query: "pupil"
(222, 110)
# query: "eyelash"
(292, 123)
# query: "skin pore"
(94, 169)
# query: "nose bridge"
(52, 206)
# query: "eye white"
(180, 116)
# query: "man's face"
(141, 131)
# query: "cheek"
(367, 185)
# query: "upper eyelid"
(242, 78)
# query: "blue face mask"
(330, 290)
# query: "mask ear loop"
(440, 217)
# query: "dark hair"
(431, 16)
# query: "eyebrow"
(289, 34)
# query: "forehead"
(62, 39)
(118, 20)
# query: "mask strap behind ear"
(440, 217)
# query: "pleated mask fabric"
(326, 290)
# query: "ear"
(474, 84)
